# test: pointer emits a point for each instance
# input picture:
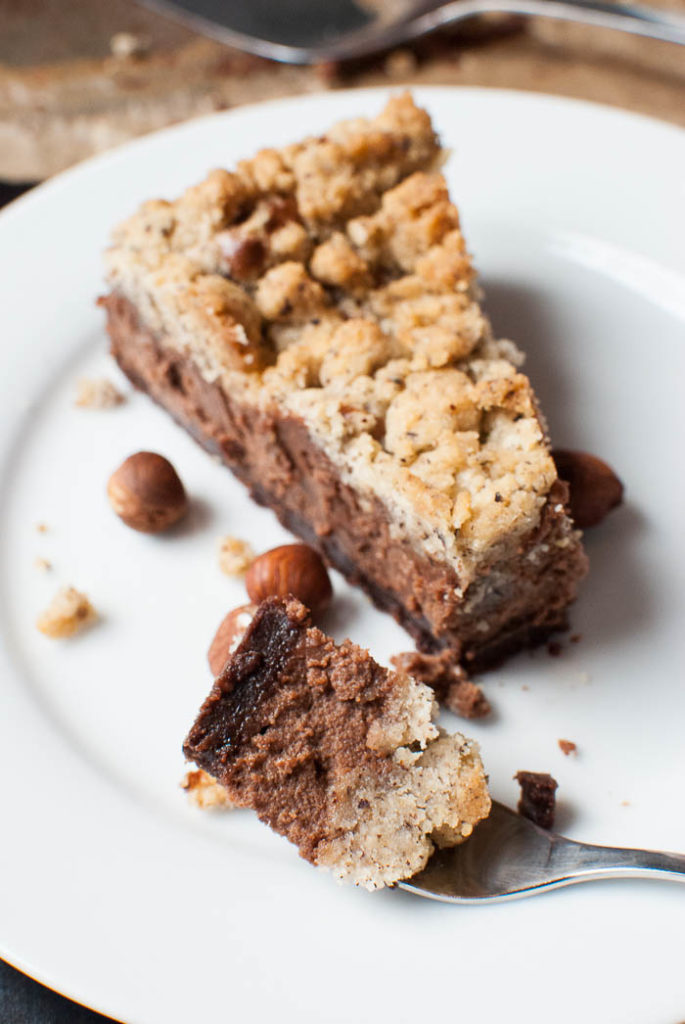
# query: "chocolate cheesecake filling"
(514, 603)
(335, 752)
(289, 711)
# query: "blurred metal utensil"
(508, 857)
(317, 31)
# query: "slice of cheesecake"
(312, 318)
(336, 753)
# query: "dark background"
(23, 1001)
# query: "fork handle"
(588, 862)
(633, 18)
(641, 21)
(638, 20)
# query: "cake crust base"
(274, 456)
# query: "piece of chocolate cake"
(538, 797)
(313, 319)
(336, 753)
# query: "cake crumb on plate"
(567, 747)
(538, 797)
(205, 792)
(235, 556)
(96, 393)
(69, 612)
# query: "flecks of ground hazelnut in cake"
(449, 681)
(205, 792)
(97, 393)
(69, 612)
(567, 747)
(235, 556)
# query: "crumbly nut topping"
(97, 393)
(331, 278)
(205, 792)
(69, 612)
(235, 556)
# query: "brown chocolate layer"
(287, 718)
(516, 604)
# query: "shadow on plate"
(616, 600)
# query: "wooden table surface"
(69, 88)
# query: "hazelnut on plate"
(293, 569)
(594, 488)
(227, 637)
(146, 493)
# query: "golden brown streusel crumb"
(97, 393)
(69, 612)
(331, 278)
(205, 792)
(42, 564)
(235, 556)
(567, 747)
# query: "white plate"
(116, 892)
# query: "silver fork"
(508, 857)
(318, 31)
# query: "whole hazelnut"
(293, 569)
(227, 637)
(146, 492)
(594, 488)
